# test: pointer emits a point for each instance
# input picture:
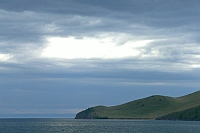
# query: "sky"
(59, 57)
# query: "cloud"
(4, 57)
(86, 48)
(29, 31)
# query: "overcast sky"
(58, 57)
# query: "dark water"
(96, 126)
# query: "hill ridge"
(152, 107)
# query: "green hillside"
(192, 114)
(147, 108)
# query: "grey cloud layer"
(172, 25)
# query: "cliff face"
(91, 113)
(86, 114)
(153, 107)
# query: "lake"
(56, 125)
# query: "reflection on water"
(96, 126)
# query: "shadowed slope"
(192, 114)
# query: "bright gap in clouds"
(86, 48)
(4, 57)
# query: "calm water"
(96, 126)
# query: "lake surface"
(96, 126)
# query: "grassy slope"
(192, 114)
(147, 108)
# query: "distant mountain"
(154, 107)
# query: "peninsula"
(155, 107)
